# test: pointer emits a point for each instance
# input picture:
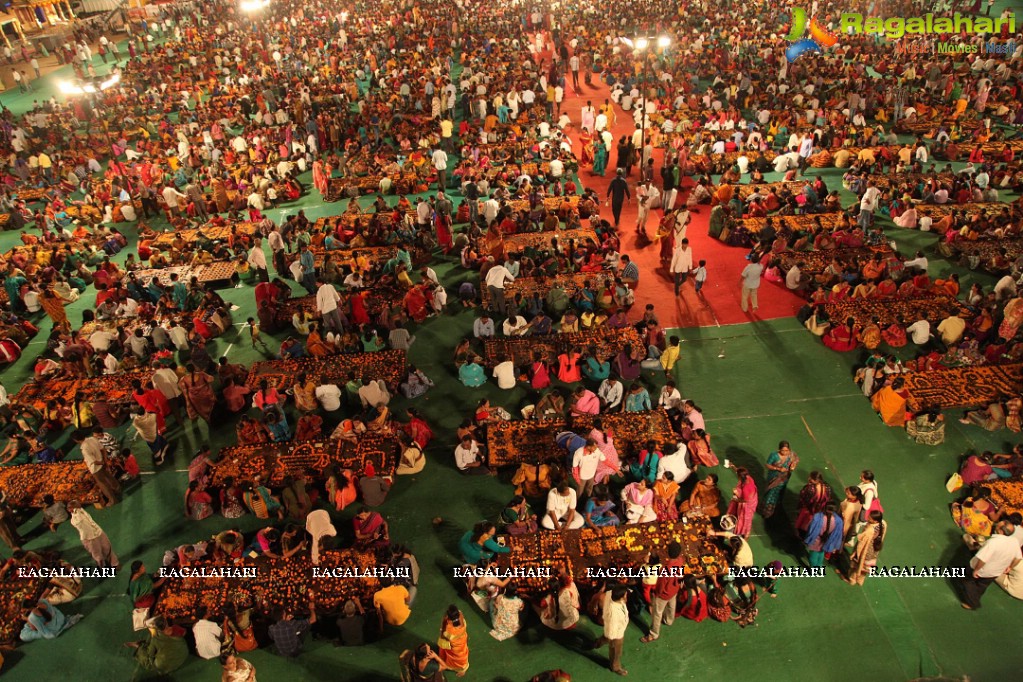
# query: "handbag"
(443, 643)
(954, 483)
(139, 618)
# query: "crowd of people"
(462, 110)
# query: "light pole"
(642, 44)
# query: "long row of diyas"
(388, 365)
(963, 387)
(269, 585)
(587, 554)
(515, 442)
(887, 310)
(24, 486)
(273, 462)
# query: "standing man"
(618, 194)
(497, 277)
(95, 541)
(277, 248)
(440, 164)
(257, 260)
(662, 605)
(998, 556)
(585, 461)
(92, 453)
(616, 622)
(868, 204)
(327, 299)
(573, 66)
(805, 151)
(471, 191)
(647, 196)
(308, 263)
(750, 283)
(682, 264)
(173, 199)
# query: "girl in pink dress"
(612, 464)
(744, 502)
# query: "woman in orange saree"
(890, 403)
(314, 344)
(453, 643)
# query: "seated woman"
(991, 419)
(471, 374)
(377, 418)
(895, 334)
(315, 345)
(842, 338)
(371, 531)
(927, 428)
(705, 498)
(979, 468)
(518, 518)
(638, 500)
(890, 403)
(165, 651)
(416, 383)
(599, 510)
(44, 621)
(976, 515)
(818, 322)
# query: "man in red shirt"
(662, 607)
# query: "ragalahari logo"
(819, 38)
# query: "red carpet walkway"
(718, 302)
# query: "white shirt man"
(491, 208)
(467, 454)
(111, 365)
(483, 327)
(918, 262)
(207, 638)
(515, 326)
(998, 554)
(166, 381)
(439, 159)
(610, 392)
(919, 331)
(373, 394)
(256, 258)
(561, 506)
(329, 396)
(498, 275)
(869, 200)
(327, 299)
(676, 464)
(681, 258)
(504, 372)
(101, 339)
(670, 398)
(172, 197)
(585, 461)
(92, 454)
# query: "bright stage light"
(253, 5)
(642, 43)
(663, 41)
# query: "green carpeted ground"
(758, 383)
